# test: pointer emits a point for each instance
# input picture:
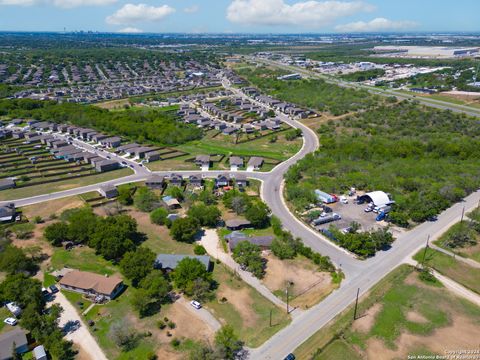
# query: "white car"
(10, 321)
(195, 304)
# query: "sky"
(240, 16)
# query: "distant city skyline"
(239, 16)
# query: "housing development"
(221, 196)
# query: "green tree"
(187, 271)
(249, 255)
(13, 260)
(56, 233)
(153, 291)
(114, 236)
(227, 343)
(125, 195)
(185, 229)
(207, 215)
(145, 199)
(258, 215)
(136, 265)
(82, 223)
(159, 216)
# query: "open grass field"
(45, 209)
(400, 316)
(63, 185)
(458, 271)
(281, 150)
(245, 309)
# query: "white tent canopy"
(379, 198)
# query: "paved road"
(81, 337)
(360, 274)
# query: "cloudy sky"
(227, 16)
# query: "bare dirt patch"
(416, 317)
(366, 321)
(462, 334)
(308, 286)
(242, 302)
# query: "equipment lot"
(352, 212)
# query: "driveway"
(211, 243)
(202, 314)
(80, 337)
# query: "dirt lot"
(308, 286)
(45, 209)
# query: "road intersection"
(360, 274)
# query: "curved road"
(359, 274)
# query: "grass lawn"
(452, 268)
(4, 313)
(396, 318)
(82, 258)
(245, 309)
(62, 185)
(47, 208)
(279, 150)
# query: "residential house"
(7, 212)
(7, 183)
(15, 337)
(195, 180)
(241, 180)
(92, 284)
(155, 182)
(222, 180)
(235, 237)
(169, 262)
(152, 156)
(111, 142)
(237, 224)
(108, 191)
(106, 165)
(176, 180)
(229, 131)
(235, 162)
(255, 163)
(202, 160)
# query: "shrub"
(199, 250)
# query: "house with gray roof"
(169, 262)
(106, 165)
(6, 184)
(8, 339)
(234, 238)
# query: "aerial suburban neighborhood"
(275, 184)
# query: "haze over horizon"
(238, 16)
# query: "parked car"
(10, 321)
(290, 357)
(45, 292)
(196, 304)
(53, 289)
(343, 200)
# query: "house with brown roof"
(91, 284)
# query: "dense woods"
(150, 125)
(427, 159)
(315, 94)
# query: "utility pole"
(356, 306)
(425, 252)
(270, 317)
(287, 299)
(463, 213)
